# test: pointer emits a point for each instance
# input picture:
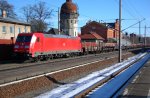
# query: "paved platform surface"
(140, 86)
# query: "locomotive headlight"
(26, 46)
(16, 46)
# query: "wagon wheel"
(30, 59)
(35, 59)
(46, 58)
(51, 56)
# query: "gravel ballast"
(34, 87)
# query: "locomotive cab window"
(23, 39)
(38, 39)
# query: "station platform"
(139, 87)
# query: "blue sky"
(105, 10)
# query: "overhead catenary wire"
(127, 9)
(133, 24)
(135, 9)
(89, 17)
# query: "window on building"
(19, 30)
(4, 29)
(75, 21)
(11, 29)
(25, 29)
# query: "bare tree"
(4, 5)
(38, 15)
(27, 12)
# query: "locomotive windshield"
(23, 39)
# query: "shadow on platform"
(55, 81)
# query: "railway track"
(9, 77)
(27, 70)
(82, 87)
(16, 64)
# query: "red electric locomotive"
(39, 45)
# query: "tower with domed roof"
(69, 18)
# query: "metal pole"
(58, 21)
(120, 37)
(145, 36)
(139, 31)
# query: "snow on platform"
(74, 88)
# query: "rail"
(116, 85)
(101, 78)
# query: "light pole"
(145, 37)
(120, 36)
(58, 19)
(140, 32)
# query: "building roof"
(95, 22)
(53, 31)
(69, 7)
(91, 35)
(104, 25)
(110, 25)
(14, 21)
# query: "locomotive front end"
(22, 45)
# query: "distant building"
(69, 18)
(91, 37)
(134, 38)
(10, 28)
(105, 30)
(53, 31)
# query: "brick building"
(105, 30)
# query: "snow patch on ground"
(69, 90)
